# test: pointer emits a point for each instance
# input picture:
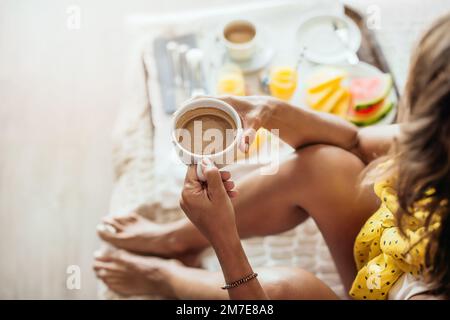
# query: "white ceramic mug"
(240, 51)
(220, 159)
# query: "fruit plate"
(360, 70)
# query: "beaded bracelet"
(240, 281)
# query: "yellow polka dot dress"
(381, 253)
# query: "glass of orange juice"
(283, 82)
(231, 81)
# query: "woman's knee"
(327, 168)
(325, 179)
(320, 159)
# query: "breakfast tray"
(142, 183)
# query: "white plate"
(362, 69)
(316, 36)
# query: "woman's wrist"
(223, 236)
(269, 111)
(232, 258)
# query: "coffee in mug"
(206, 127)
(239, 32)
(205, 130)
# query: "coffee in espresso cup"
(239, 37)
(209, 128)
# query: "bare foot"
(129, 274)
(138, 234)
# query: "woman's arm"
(375, 141)
(209, 208)
(235, 266)
(300, 127)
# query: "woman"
(401, 228)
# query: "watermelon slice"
(371, 114)
(369, 90)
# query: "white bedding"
(154, 187)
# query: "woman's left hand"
(208, 205)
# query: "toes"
(124, 220)
(108, 266)
(108, 256)
(134, 216)
(229, 185)
(113, 222)
(107, 233)
(106, 228)
(122, 256)
(226, 175)
(118, 286)
(104, 274)
(127, 218)
(232, 194)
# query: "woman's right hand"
(207, 204)
(254, 111)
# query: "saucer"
(261, 58)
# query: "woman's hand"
(297, 127)
(254, 111)
(208, 205)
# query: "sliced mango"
(341, 108)
(332, 100)
(314, 100)
(324, 78)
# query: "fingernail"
(246, 147)
(109, 228)
(207, 163)
(97, 254)
(106, 228)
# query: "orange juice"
(231, 81)
(283, 82)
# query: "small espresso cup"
(221, 158)
(239, 37)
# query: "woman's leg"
(281, 283)
(331, 193)
(130, 274)
(318, 181)
(264, 206)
